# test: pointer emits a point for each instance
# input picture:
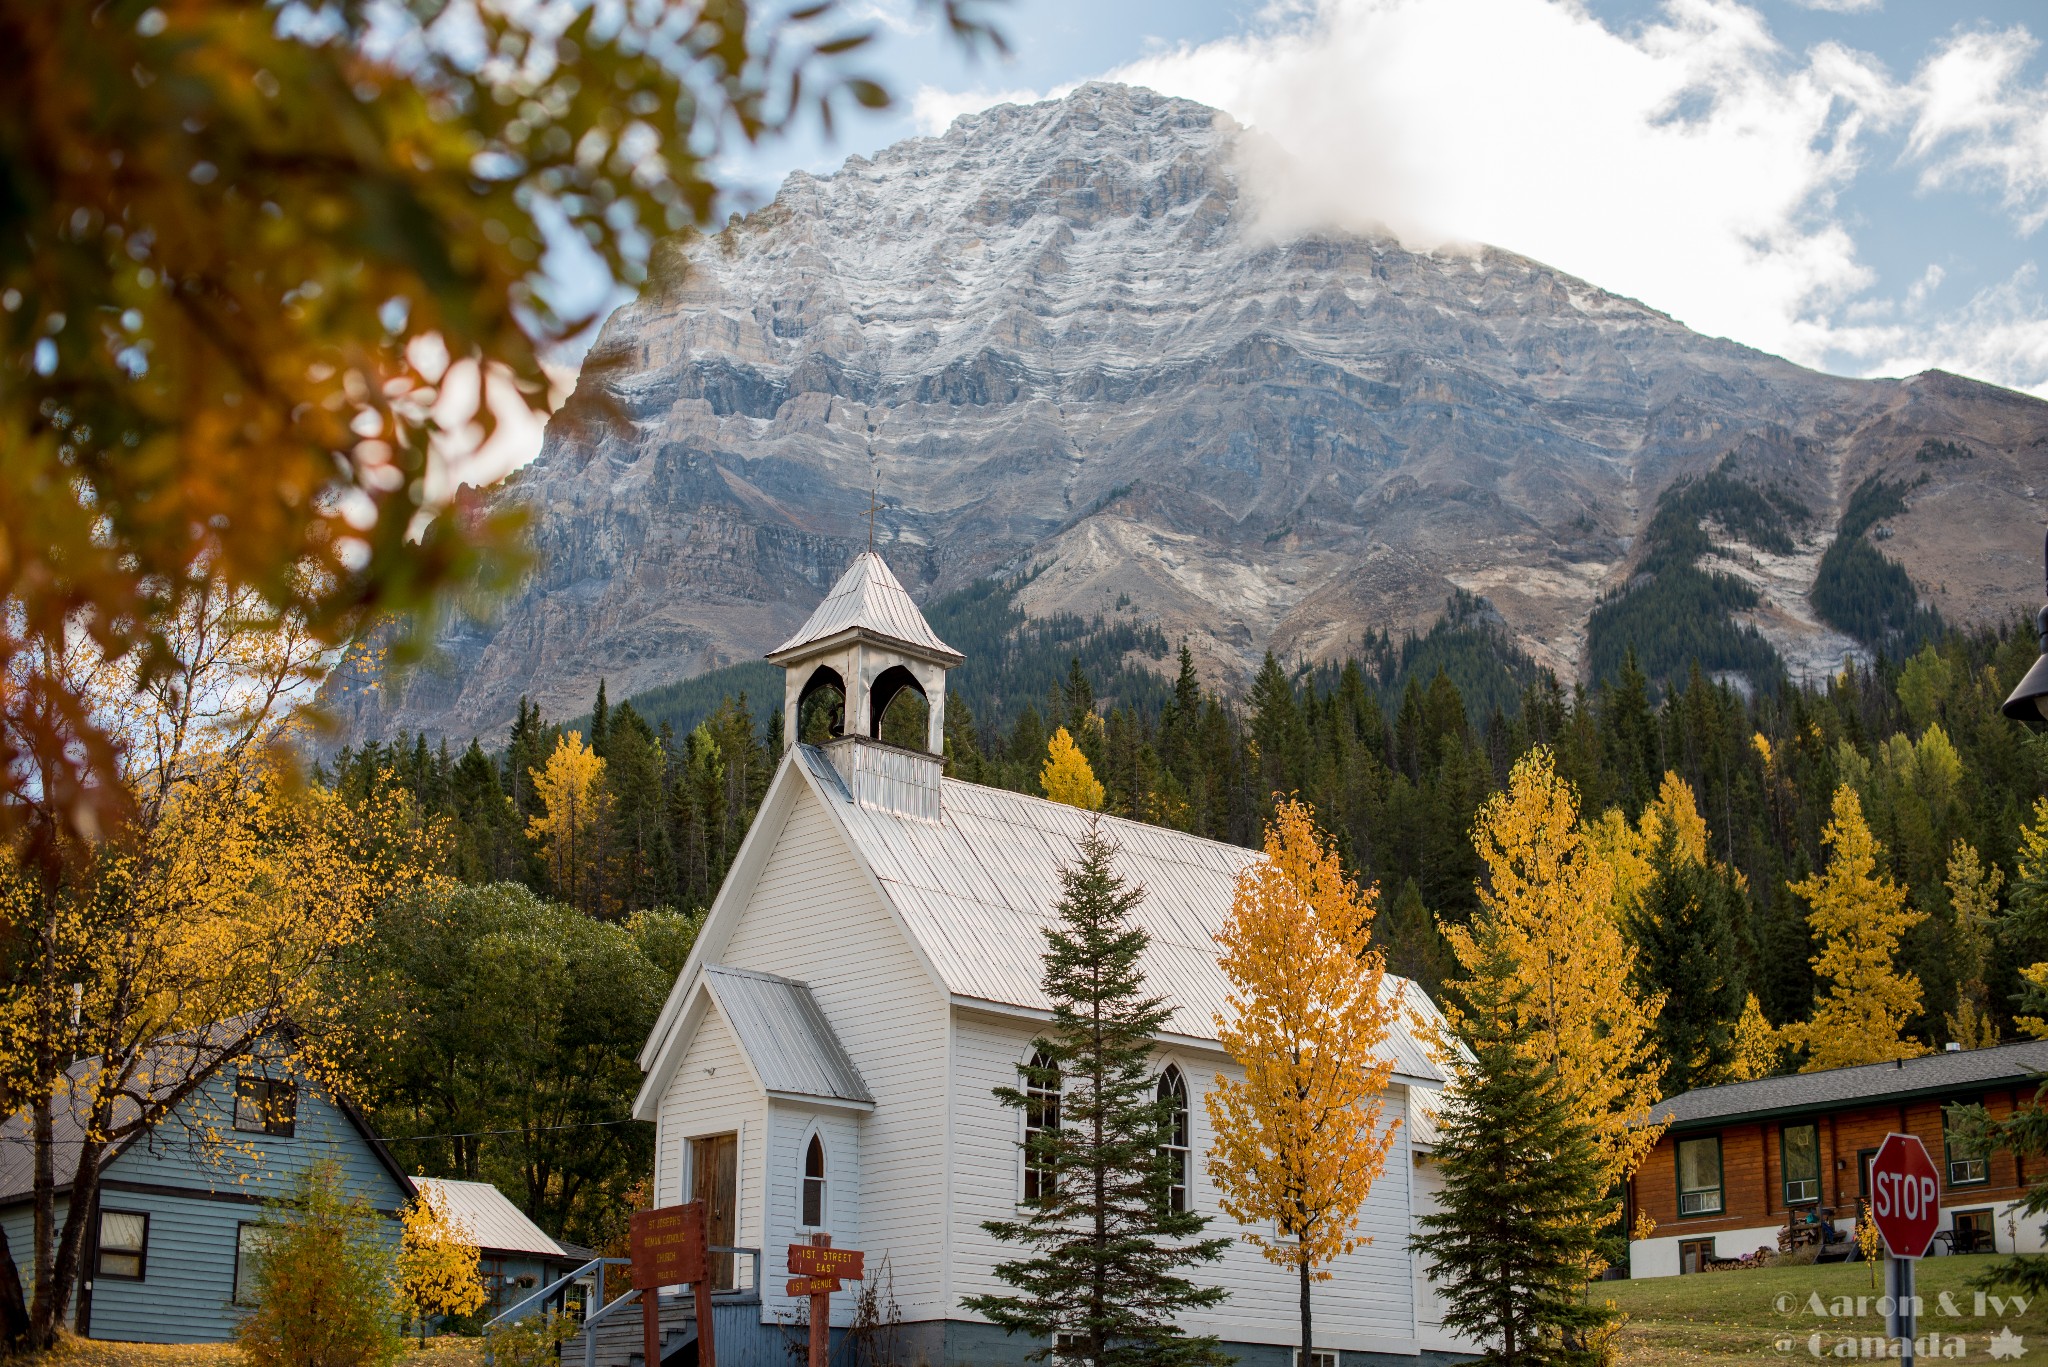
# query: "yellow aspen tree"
(1973, 902)
(1299, 1142)
(1859, 915)
(1756, 1045)
(569, 829)
(1544, 918)
(1067, 776)
(437, 1262)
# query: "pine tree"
(1109, 1246)
(1688, 951)
(1859, 915)
(1513, 1240)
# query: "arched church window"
(1041, 1119)
(1173, 1093)
(814, 1184)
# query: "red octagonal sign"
(1905, 1195)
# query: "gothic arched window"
(1173, 1092)
(814, 1184)
(1041, 1117)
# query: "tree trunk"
(42, 1316)
(1308, 1341)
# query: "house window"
(250, 1241)
(813, 1214)
(1699, 1176)
(1317, 1357)
(1799, 1156)
(124, 1245)
(491, 1272)
(1041, 1118)
(1973, 1232)
(1173, 1092)
(1967, 1165)
(1695, 1255)
(266, 1107)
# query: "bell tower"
(869, 642)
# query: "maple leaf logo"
(2005, 1344)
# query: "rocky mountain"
(1059, 336)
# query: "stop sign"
(1905, 1195)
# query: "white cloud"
(1695, 162)
(1842, 6)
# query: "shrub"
(324, 1281)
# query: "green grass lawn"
(1770, 1315)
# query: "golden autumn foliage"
(1067, 776)
(197, 937)
(253, 273)
(1858, 913)
(1299, 1142)
(1545, 919)
(1757, 1044)
(569, 829)
(1973, 904)
(437, 1262)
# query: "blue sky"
(1861, 186)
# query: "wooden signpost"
(815, 1270)
(669, 1247)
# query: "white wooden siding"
(790, 1127)
(713, 1093)
(814, 916)
(1369, 1303)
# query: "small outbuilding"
(515, 1256)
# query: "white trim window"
(1041, 1117)
(1173, 1090)
(811, 1205)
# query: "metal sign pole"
(1901, 1324)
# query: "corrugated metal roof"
(978, 887)
(785, 1036)
(870, 598)
(489, 1219)
(1835, 1087)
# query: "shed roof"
(869, 598)
(489, 1218)
(978, 887)
(1835, 1088)
(785, 1036)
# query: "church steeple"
(869, 642)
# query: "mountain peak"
(1062, 341)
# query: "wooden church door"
(715, 1171)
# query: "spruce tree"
(1108, 1248)
(1513, 1240)
(1689, 949)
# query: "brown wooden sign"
(668, 1245)
(813, 1260)
(812, 1286)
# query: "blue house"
(514, 1255)
(167, 1260)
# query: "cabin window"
(1041, 1117)
(1973, 1231)
(1695, 1255)
(1699, 1176)
(1967, 1165)
(124, 1245)
(813, 1214)
(263, 1106)
(1317, 1357)
(1173, 1093)
(250, 1241)
(1799, 1156)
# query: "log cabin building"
(1739, 1165)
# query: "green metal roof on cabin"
(1835, 1089)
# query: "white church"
(869, 973)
